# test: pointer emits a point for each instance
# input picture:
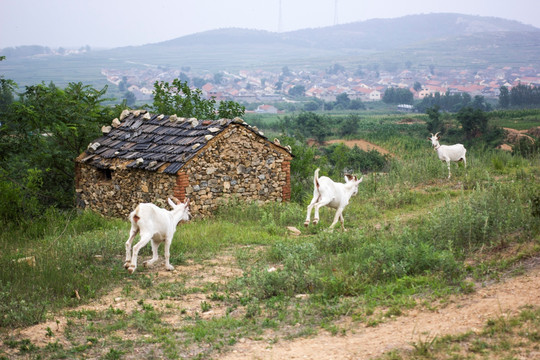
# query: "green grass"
(413, 237)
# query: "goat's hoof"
(131, 269)
(315, 222)
(306, 224)
(127, 264)
(169, 267)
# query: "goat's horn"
(437, 133)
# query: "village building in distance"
(267, 87)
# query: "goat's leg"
(155, 246)
(167, 254)
(464, 161)
(318, 205)
(309, 208)
(144, 240)
(448, 163)
(132, 233)
(338, 216)
(342, 220)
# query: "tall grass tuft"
(54, 262)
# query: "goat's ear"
(173, 205)
(349, 177)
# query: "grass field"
(414, 238)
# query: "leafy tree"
(504, 97)
(130, 98)
(297, 91)
(230, 110)
(311, 106)
(122, 85)
(41, 135)
(350, 125)
(285, 71)
(417, 86)
(356, 104)
(342, 101)
(474, 122)
(218, 77)
(525, 96)
(398, 96)
(335, 69)
(434, 124)
(307, 124)
(198, 82)
(7, 87)
(183, 77)
(178, 98)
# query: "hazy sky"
(113, 23)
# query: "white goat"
(326, 192)
(448, 153)
(156, 224)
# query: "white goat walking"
(156, 224)
(326, 192)
(448, 153)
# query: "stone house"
(144, 157)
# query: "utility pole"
(335, 12)
(280, 19)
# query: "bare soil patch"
(461, 314)
(457, 315)
(362, 144)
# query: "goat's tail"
(316, 179)
(134, 217)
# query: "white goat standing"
(156, 224)
(326, 192)
(448, 153)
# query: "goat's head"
(354, 182)
(434, 140)
(180, 207)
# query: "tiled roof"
(147, 141)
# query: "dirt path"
(362, 144)
(461, 314)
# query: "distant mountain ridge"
(443, 39)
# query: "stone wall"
(118, 195)
(236, 163)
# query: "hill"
(447, 40)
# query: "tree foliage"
(525, 96)
(41, 135)
(452, 102)
(397, 96)
(434, 124)
(297, 91)
(474, 122)
(178, 98)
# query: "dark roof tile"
(157, 141)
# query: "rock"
(124, 114)
(294, 231)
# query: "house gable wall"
(237, 164)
